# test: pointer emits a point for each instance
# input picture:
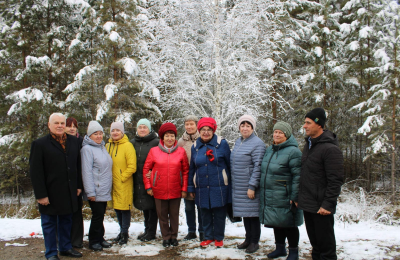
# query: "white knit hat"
(119, 126)
(93, 127)
(249, 119)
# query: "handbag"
(229, 214)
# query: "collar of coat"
(213, 142)
(152, 135)
(188, 137)
(166, 150)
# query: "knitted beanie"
(70, 121)
(249, 119)
(167, 127)
(93, 127)
(318, 115)
(207, 121)
(284, 127)
(119, 126)
(191, 118)
(145, 122)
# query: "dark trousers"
(292, 234)
(96, 229)
(190, 210)
(150, 221)
(322, 235)
(53, 227)
(77, 225)
(168, 216)
(214, 223)
(253, 229)
(124, 220)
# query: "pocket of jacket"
(194, 180)
(180, 173)
(225, 177)
(284, 184)
(154, 179)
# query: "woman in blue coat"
(210, 180)
(279, 188)
(246, 158)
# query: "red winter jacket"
(169, 171)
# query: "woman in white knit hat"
(124, 166)
(246, 158)
(97, 180)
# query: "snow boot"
(279, 251)
(124, 239)
(253, 247)
(190, 236)
(201, 236)
(293, 253)
(117, 239)
(243, 245)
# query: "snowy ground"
(365, 240)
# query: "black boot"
(148, 237)
(174, 242)
(279, 251)
(190, 236)
(201, 234)
(124, 239)
(116, 240)
(141, 235)
(243, 245)
(293, 253)
(166, 243)
(253, 247)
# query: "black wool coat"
(322, 173)
(56, 174)
(141, 199)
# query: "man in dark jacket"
(320, 183)
(55, 170)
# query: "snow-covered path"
(364, 240)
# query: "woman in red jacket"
(168, 181)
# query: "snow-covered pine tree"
(107, 86)
(382, 107)
(359, 33)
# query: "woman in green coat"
(279, 187)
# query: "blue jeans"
(190, 210)
(214, 223)
(124, 220)
(50, 232)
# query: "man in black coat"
(55, 170)
(320, 184)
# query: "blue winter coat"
(246, 158)
(279, 184)
(210, 180)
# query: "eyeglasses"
(206, 130)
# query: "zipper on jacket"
(265, 184)
(155, 178)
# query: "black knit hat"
(318, 116)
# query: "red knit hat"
(207, 121)
(167, 127)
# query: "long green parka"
(279, 184)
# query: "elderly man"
(321, 179)
(186, 141)
(55, 170)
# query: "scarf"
(62, 140)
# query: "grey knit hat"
(284, 127)
(119, 126)
(249, 119)
(191, 118)
(93, 127)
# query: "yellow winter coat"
(123, 155)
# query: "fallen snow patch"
(15, 244)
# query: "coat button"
(69, 168)
(208, 187)
(205, 165)
(206, 176)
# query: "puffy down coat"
(211, 180)
(124, 165)
(279, 184)
(142, 200)
(246, 160)
(169, 171)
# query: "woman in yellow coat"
(123, 155)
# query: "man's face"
(190, 127)
(312, 129)
(57, 125)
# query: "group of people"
(277, 186)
